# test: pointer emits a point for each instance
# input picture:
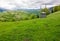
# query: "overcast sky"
(9, 4)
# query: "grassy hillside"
(46, 29)
(10, 16)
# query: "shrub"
(25, 18)
(33, 16)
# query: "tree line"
(51, 10)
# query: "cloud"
(9, 4)
(5, 4)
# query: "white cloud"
(9, 4)
(5, 4)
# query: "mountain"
(3, 9)
(31, 11)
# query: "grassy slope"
(47, 29)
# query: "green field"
(45, 29)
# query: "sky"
(35, 4)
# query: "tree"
(45, 10)
(56, 8)
(59, 8)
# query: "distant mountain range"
(31, 11)
(3, 9)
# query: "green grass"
(46, 29)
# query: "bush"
(25, 18)
(33, 16)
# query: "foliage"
(15, 16)
(45, 10)
(33, 16)
(56, 8)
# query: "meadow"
(40, 29)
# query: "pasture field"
(45, 29)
